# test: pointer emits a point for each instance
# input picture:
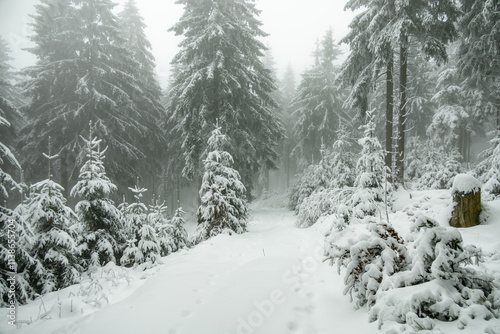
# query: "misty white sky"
(293, 27)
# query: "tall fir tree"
(8, 79)
(288, 115)
(10, 101)
(84, 72)
(223, 206)
(319, 108)
(14, 231)
(223, 78)
(132, 28)
(102, 237)
(479, 63)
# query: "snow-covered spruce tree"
(223, 206)
(132, 28)
(14, 229)
(85, 72)
(157, 218)
(325, 197)
(303, 188)
(135, 219)
(102, 237)
(342, 161)
(440, 282)
(223, 78)
(143, 247)
(479, 64)
(314, 178)
(370, 186)
(488, 170)
(53, 242)
(371, 252)
(179, 233)
(10, 99)
(137, 212)
(148, 248)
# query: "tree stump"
(466, 194)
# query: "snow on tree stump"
(466, 193)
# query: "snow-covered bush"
(303, 188)
(321, 203)
(371, 251)
(223, 206)
(439, 284)
(101, 220)
(488, 170)
(440, 167)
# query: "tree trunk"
(64, 173)
(389, 114)
(467, 205)
(364, 107)
(403, 68)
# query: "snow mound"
(465, 183)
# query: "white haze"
(293, 26)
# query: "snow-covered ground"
(271, 280)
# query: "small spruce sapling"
(102, 237)
(53, 243)
(223, 206)
(157, 218)
(369, 196)
(179, 233)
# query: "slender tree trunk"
(389, 114)
(403, 68)
(64, 173)
(364, 106)
(498, 114)
(287, 170)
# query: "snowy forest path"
(270, 280)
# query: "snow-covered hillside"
(271, 280)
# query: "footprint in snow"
(186, 313)
(292, 327)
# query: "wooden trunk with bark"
(467, 208)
